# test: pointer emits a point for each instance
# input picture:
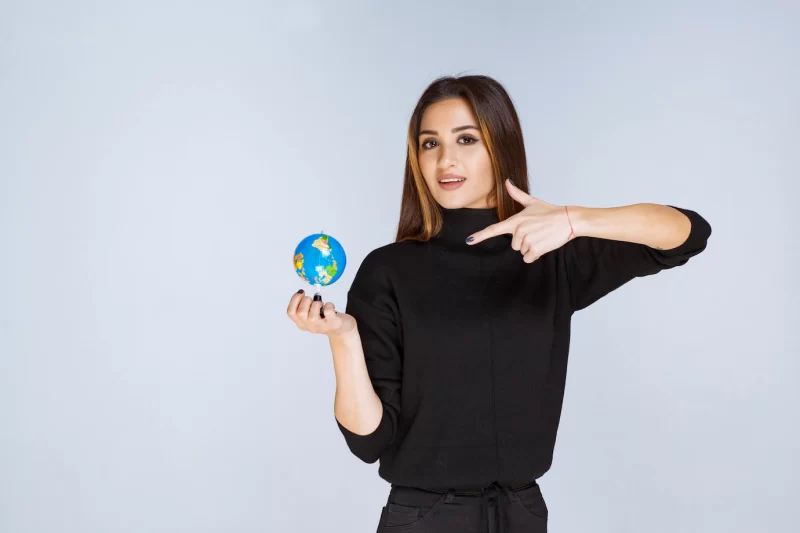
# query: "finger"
(519, 241)
(328, 311)
(522, 197)
(527, 245)
(318, 298)
(518, 194)
(504, 226)
(531, 254)
(524, 247)
(302, 309)
(314, 312)
(291, 310)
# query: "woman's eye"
(472, 139)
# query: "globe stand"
(318, 298)
(318, 287)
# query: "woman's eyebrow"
(423, 132)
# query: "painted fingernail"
(300, 291)
(470, 239)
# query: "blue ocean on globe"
(319, 259)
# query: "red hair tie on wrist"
(571, 231)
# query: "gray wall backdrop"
(159, 161)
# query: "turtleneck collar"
(460, 223)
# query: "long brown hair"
(420, 214)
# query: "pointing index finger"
(499, 228)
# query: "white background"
(159, 162)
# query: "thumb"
(518, 194)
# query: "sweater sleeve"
(596, 266)
(371, 302)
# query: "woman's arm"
(600, 249)
(356, 406)
(659, 226)
(617, 244)
(368, 364)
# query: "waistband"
(469, 492)
(492, 516)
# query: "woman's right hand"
(306, 314)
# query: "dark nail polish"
(470, 239)
(300, 291)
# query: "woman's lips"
(451, 185)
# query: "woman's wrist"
(581, 219)
(347, 335)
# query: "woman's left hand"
(539, 228)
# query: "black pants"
(493, 509)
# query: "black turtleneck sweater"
(466, 346)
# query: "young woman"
(451, 358)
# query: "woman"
(451, 358)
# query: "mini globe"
(319, 259)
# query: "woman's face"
(451, 143)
